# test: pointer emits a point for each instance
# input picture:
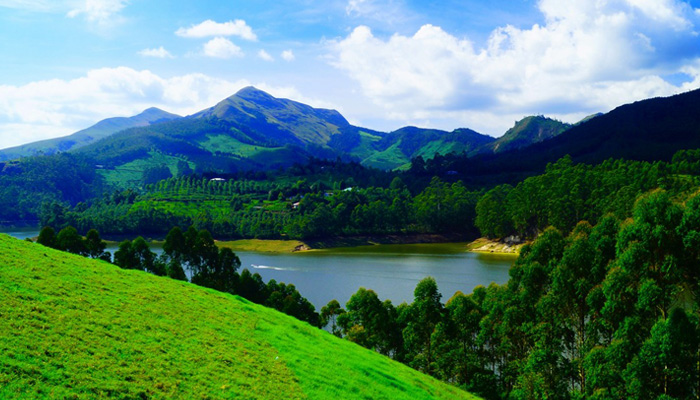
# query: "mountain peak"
(251, 92)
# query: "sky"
(384, 64)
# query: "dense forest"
(30, 183)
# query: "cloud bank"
(588, 56)
(45, 109)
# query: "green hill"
(253, 130)
(89, 135)
(527, 131)
(77, 328)
(280, 120)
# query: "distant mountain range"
(253, 130)
(648, 130)
(92, 134)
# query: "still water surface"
(392, 271)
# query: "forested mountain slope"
(648, 130)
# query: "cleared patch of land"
(484, 245)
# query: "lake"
(392, 271)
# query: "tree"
(425, 312)
(155, 174)
(370, 322)
(175, 245)
(94, 245)
(492, 216)
(125, 257)
(47, 237)
(145, 258)
(183, 168)
(69, 240)
(666, 365)
(329, 314)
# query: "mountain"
(72, 327)
(527, 131)
(253, 130)
(647, 130)
(86, 136)
(279, 120)
(400, 146)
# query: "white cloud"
(588, 56)
(102, 12)
(51, 108)
(30, 5)
(160, 52)
(265, 55)
(356, 6)
(210, 28)
(222, 48)
(287, 55)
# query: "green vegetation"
(566, 194)
(30, 185)
(607, 311)
(132, 173)
(257, 245)
(74, 327)
(529, 130)
(327, 201)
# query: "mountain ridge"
(83, 137)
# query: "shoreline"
(294, 246)
(489, 246)
(478, 245)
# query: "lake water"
(392, 271)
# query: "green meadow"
(76, 328)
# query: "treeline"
(27, 184)
(272, 210)
(607, 311)
(568, 193)
(190, 254)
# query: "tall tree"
(425, 312)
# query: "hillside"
(253, 130)
(89, 135)
(527, 131)
(647, 130)
(280, 121)
(78, 328)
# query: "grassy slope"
(131, 173)
(77, 328)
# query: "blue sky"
(67, 64)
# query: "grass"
(227, 144)
(81, 329)
(387, 159)
(267, 246)
(131, 173)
